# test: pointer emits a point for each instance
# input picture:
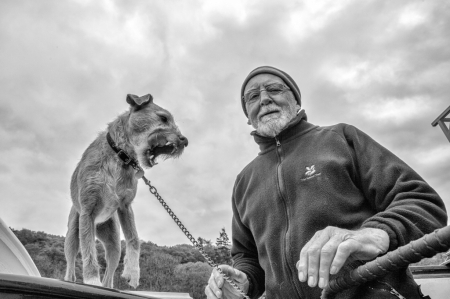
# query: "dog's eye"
(163, 118)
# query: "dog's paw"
(132, 276)
(93, 280)
(70, 277)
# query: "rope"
(427, 246)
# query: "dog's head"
(152, 131)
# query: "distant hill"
(179, 268)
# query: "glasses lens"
(271, 89)
(276, 88)
(252, 95)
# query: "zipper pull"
(396, 294)
(278, 141)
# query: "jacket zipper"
(278, 142)
(283, 197)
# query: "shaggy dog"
(103, 187)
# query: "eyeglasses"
(272, 89)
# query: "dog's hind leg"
(131, 260)
(108, 233)
(72, 244)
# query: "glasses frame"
(264, 88)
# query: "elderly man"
(317, 201)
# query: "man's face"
(273, 109)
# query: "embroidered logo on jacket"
(310, 173)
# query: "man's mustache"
(268, 109)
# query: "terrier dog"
(103, 187)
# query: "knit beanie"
(274, 71)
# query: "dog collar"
(122, 154)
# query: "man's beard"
(272, 126)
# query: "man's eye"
(274, 88)
(252, 96)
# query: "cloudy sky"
(66, 67)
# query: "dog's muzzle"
(166, 146)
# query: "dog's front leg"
(131, 269)
(88, 250)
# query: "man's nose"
(265, 99)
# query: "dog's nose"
(183, 141)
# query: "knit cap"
(274, 71)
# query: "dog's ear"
(139, 101)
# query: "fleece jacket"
(311, 177)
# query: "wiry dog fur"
(103, 187)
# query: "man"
(316, 201)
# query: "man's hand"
(218, 287)
(330, 248)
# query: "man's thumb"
(239, 276)
(233, 273)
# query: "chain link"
(190, 237)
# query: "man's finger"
(314, 254)
(344, 250)
(302, 264)
(313, 264)
(230, 272)
(238, 276)
(210, 293)
(327, 254)
(227, 270)
(214, 285)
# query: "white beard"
(271, 126)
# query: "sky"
(67, 66)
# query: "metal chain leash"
(189, 236)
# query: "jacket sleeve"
(244, 252)
(406, 206)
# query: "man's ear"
(138, 102)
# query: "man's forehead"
(262, 79)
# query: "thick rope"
(427, 246)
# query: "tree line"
(179, 268)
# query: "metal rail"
(441, 121)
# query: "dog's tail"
(72, 244)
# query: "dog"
(103, 188)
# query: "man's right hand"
(218, 287)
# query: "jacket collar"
(298, 126)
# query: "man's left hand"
(330, 248)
